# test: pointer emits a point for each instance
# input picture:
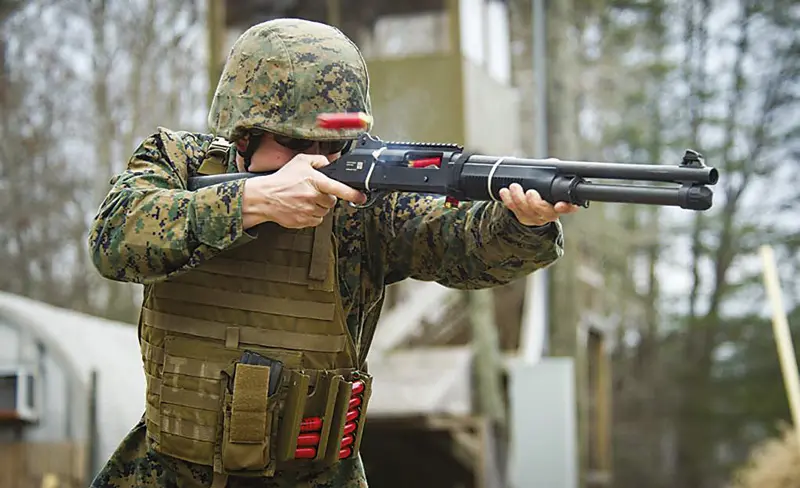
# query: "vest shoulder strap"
(215, 161)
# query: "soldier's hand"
(295, 196)
(530, 208)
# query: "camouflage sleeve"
(149, 227)
(474, 245)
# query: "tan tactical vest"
(276, 296)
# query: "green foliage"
(748, 382)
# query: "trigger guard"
(372, 197)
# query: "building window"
(8, 394)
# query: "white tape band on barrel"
(489, 179)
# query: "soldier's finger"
(319, 212)
(317, 161)
(566, 208)
(505, 197)
(309, 221)
(325, 200)
(335, 188)
(519, 197)
(313, 210)
(540, 206)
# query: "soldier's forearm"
(500, 250)
(477, 245)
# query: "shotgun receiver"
(376, 167)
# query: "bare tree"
(727, 97)
(86, 81)
(751, 151)
(684, 286)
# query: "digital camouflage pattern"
(135, 466)
(150, 228)
(281, 74)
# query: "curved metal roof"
(83, 343)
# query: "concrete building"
(71, 386)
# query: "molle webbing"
(201, 295)
(275, 296)
(230, 267)
(244, 335)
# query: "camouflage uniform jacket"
(150, 228)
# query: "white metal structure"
(54, 352)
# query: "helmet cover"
(281, 74)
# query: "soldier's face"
(271, 155)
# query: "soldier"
(261, 296)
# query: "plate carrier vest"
(301, 402)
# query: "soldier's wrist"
(255, 207)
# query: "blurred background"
(644, 358)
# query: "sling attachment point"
(215, 160)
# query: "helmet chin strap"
(252, 145)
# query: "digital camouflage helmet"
(282, 73)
